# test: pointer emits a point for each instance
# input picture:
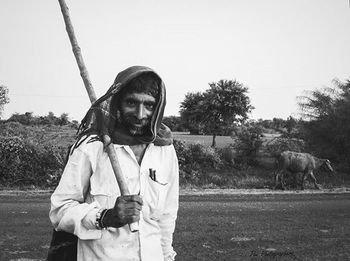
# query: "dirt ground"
(212, 225)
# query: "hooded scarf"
(101, 118)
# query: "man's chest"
(139, 151)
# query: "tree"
(64, 120)
(290, 125)
(327, 128)
(218, 108)
(174, 123)
(277, 123)
(26, 119)
(4, 99)
(191, 112)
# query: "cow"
(296, 162)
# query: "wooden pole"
(123, 187)
(77, 51)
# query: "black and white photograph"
(162, 130)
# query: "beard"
(134, 126)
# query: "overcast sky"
(277, 48)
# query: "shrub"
(278, 145)
(248, 142)
(23, 162)
(195, 160)
(227, 155)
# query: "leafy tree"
(290, 125)
(64, 120)
(25, 119)
(191, 112)
(327, 128)
(4, 99)
(50, 119)
(174, 123)
(278, 123)
(218, 108)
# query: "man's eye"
(149, 107)
(130, 103)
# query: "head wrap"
(101, 119)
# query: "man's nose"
(141, 114)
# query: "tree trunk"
(213, 144)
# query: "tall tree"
(218, 108)
(4, 99)
(191, 112)
(327, 128)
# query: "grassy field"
(65, 136)
(221, 141)
(222, 227)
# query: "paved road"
(211, 227)
(264, 227)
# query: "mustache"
(134, 120)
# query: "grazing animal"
(296, 162)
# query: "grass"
(221, 141)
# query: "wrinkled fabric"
(88, 184)
(100, 120)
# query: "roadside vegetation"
(216, 155)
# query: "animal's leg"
(317, 186)
(304, 179)
(278, 177)
(282, 180)
(295, 180)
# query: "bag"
(63, 247)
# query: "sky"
(276, 48)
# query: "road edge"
(193, 191)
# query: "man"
(87, 201)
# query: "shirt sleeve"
(69, 211)
(168, 218)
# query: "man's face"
(136, 111)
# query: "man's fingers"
(133, 205)
(132, 212)
(133, 198)
(132, 219)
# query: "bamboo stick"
(123, 187)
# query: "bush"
(227, 155)
(248, 142)
(23, 162)
(195, 160)
(278, 145)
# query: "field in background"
(221, 141)
(64, 136)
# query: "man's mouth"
(139, 123)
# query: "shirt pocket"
(155, 198)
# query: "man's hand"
(126, 211)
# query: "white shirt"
(89, 172)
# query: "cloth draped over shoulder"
(101, 120)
